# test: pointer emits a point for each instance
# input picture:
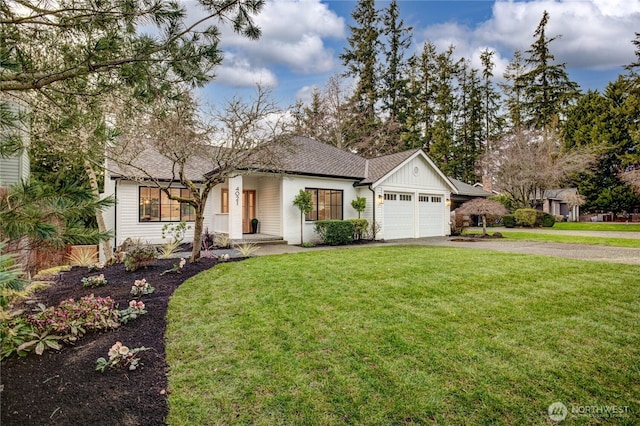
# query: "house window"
(405, 197)
(423, 198)
(224, 200)
(156, 206)
(390, 197)
(327, 204)
(436, 199)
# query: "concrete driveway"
(624, 255)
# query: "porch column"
(235, 207)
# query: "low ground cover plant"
(141, 287)
(94, 281)
(120, 356)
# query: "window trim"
(160, 195)
(310, 217)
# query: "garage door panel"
(398, 215)
(431, 215)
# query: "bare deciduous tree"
(632, 178)
(529, 162)
(200, 154)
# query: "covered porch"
(249, 208)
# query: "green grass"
(567, 239)
(597, 226)
(403, 335)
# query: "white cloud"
(293, 34)
(594, 34)
(236, 71)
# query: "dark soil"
(63, 387)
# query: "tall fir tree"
(547, 87)
(360, 60)
(441, 148)
(513, 91)
(393, 70)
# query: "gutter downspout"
(373, 191)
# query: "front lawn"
(571, 239)
(597, 226)
(403, 335)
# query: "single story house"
(407, 195)
(556, 202)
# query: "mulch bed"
(63, 387)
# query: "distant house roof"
(465, 189)
(559, 193)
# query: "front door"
(248, 210)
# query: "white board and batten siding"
(414, 202)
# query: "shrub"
(526, 217)
(14, 332)
(139, 257)
(222, 241)
(335, 232)
(509, 221)
(547, 220)
(360, 227)
(175, 233)
(11, 277)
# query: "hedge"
(335, 232)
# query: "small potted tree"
(254, 225)
(303, 202)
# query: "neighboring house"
(407, 195)
(555, 202)
(466, 192)
(16, 168)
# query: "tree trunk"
(301, 228)
(198, 227)
(484, 224)
(102, 227)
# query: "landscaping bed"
(63, 387)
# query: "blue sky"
(302, 39)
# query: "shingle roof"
(469, 190)
(161, 167)
(305, 156)
(559, 193)
(311, 157)
(379, 167)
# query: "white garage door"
(431, 215)
(398, 215)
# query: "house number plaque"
(237, 196)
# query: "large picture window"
(327, 204)
(156, 206)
